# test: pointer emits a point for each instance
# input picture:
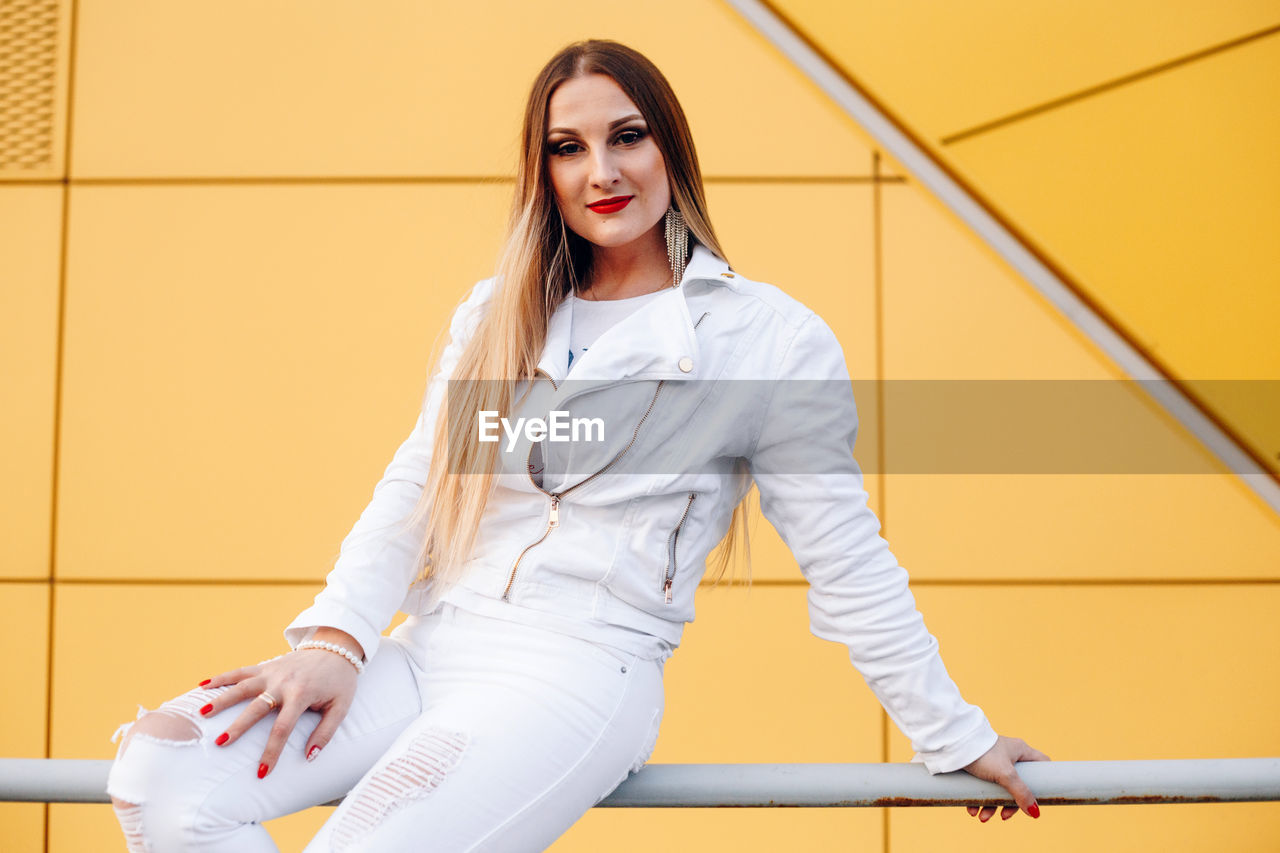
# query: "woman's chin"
(613, 236)
(605, 239)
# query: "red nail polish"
(222, 738)
(1034, 810)
(311, 753)
(206, 709)
(262, 770)
(206, 681)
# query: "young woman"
(548, 580)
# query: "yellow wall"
(1132, 143)
(220, 289)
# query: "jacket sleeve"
(811, 491)
(376, 563)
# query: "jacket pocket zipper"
(669, 574)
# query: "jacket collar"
(648, 344)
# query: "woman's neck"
(620, 272)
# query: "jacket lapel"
(652, 343)
(656, 342)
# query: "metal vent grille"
(28, 68)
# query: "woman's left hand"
(996, 765)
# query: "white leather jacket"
(709, 386)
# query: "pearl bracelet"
(335, 648)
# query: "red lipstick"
(611, 205)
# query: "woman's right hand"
(306, 679)
(997, 765)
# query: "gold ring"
(269, 699)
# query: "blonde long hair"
(541, 262)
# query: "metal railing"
(1211, 780)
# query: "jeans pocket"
(612, 655)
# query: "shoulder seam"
(792, 320)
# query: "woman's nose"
(604, 170)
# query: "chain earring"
(677, 243)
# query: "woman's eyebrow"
(612, 124)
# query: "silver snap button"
(624, 669)
(686, 364)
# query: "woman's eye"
(627, 137)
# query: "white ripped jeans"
(466, 733)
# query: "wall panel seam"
(1106, 86)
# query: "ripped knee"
(130, 784)
(163, 727)
(175, 723)
(411, 776)
(128, 790)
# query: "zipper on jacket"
(538, 370)
(553, 516)
(669, 574)
(553, 521)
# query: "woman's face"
(599, 148)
